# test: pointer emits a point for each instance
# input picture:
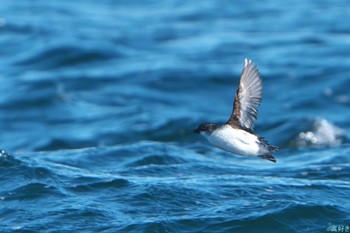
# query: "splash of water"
(323, 133)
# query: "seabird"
(237, 135)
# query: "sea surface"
(98, 100)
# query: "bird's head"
(206, 128)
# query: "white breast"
(236, 141)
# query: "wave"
(32, 191)
(59, 56)
(294, 218)
(322, 133)
(109, 185)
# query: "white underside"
(236, 141)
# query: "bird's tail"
(268, 156)
(270, 148)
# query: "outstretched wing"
(247, 98)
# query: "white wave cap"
(323, 133)
(3, 154)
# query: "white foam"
(323, 133)
(3, 154)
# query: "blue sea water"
(98, 100)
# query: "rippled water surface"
(98, 100)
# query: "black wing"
(247, 98)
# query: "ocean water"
(98, 100)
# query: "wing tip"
(247, 62)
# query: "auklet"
(237, 135)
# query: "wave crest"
(322, 133)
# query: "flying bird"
(237, 135)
